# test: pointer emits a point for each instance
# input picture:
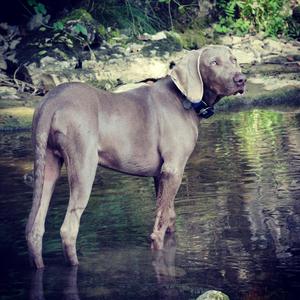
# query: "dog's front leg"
(167, 187)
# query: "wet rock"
(159, 36)
(125, 70)
(14, 43)
(230, 40)
(144, 37)
(37, 20)
(47, 60)
(257, 44)
(296, 43)
(236, 40)
(11, 56)
(226, 40)
(134, 48)
(213, 295)
(3, 64)
(116, 55)
(50, 71)
(8, 42)
(273, 45)
(245, 56)
(7, 92)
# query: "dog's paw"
(157, 242)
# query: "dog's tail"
(40, 132)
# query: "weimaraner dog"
(148, 131)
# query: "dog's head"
(212, 68)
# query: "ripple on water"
(238, 224)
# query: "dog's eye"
(234, 61)
(213, 63)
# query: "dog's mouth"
(240, 90)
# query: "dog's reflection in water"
(167, 273)
(70, 290)
(37, 289)
(163, 262)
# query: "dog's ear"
(187, 77)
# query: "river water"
(238, 221)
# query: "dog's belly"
(129, 137)
(147, 164)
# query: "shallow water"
(238, 222)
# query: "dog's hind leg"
(36, 223)
(81, 160)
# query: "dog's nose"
(239, 79)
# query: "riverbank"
(272, 68)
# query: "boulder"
(274, 46)
(213, 295)
(51, 71)
(3, 64)
(37, 20)
(131, 70)
(159, 36)
(134, 48)
(245, 56)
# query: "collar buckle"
(203, 110)
(206, 112)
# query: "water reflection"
(163, 263)
(37, 285)
(164, 260)
(238, 221)
(70, 290)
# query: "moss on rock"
(193, 39)
(79, 14)
(161, 47)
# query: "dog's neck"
(210, 97)
(205, 107)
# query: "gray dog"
(148, 131)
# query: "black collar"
(201, 108)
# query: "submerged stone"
(213, 295)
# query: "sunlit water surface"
(238, 222)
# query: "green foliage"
(39, 8)
(76, 25)
(59, 25)
(135, 16)
(101, 30)
(79, 28)
(193, 39)
(131, 16)
(244, 16)
(79, 14)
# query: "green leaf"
(40, 9)
(181, 9)
(31, 2)
(58, 25)
(220, 28)
(79, 28)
